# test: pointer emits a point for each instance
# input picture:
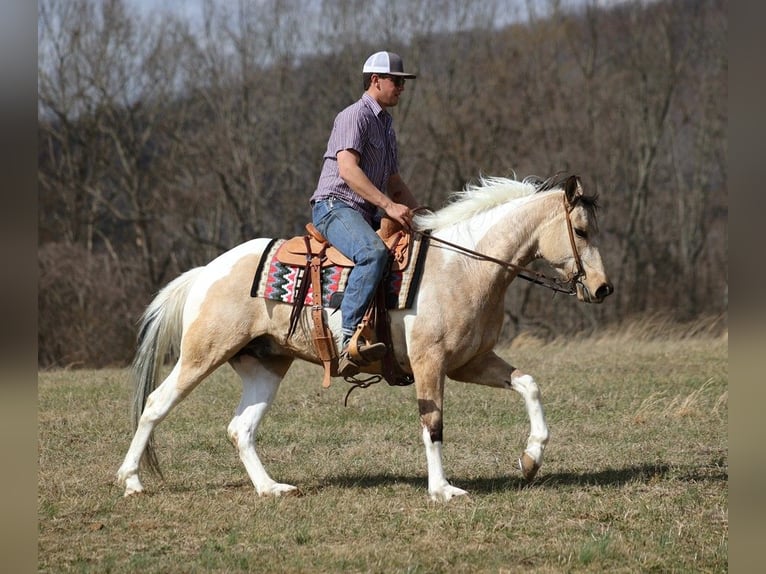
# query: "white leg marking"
(439, 489)
(538, 435)
(158, 405)
(259, 388)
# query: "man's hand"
(400, 213)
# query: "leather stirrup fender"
(324, 342)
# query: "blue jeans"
(352, 235)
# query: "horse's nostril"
(604, 291)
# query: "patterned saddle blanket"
(280, 281)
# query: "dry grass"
(635, 477)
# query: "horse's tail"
(159, 336)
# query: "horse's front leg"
(489, 369)
(429, 385)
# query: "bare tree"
(108, 154)
(105, 94)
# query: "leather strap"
(321, 334)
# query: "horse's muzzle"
(602, 292)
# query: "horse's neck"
(510, 232)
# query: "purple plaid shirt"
(368, 129)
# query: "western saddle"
(313, 252)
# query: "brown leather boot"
(369, 353)
(346, 366)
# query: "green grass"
(635, 476)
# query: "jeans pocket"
(321, 213)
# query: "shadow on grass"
(611, 477)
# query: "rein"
(568, 286)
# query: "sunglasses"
(398, 81)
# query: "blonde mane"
(476, 198)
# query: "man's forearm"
(399, 192)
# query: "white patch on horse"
(439, 489)
(217, 270)
(260, 382)
(526, 386)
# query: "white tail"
(159, 335)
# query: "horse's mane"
(484, 194)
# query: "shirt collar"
(374, 105)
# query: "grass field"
(635, 477)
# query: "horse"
(479, 242)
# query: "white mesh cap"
(385, 63)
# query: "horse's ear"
(572, 189)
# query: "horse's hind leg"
(260, 380)
(158, 405)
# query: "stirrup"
(364, 353)
(348, 365)
(361, 350)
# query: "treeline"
(164, 141)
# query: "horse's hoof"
(280, 490)
(132, 485)
(445, 493)
(528, 467)
(132, 492)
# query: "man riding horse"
(360, 173)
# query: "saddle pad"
(279, 282)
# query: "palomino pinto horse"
(500, 225)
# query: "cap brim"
(400, 75)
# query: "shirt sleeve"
(348, 132)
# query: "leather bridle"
(567, 286)
(580, 272)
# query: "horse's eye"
(581, 233)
